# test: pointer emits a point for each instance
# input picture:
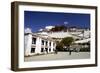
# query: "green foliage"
(67, 41)
(59, 46)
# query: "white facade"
(38, 44)
(27, 44)
(77, 34)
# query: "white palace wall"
(38, 46)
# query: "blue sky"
(37, 20)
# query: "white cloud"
(28, 30)
(40, 29)
(49, 27)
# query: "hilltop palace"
(44, 42)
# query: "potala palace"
(44, 42)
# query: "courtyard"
(59, 56)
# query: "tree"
(67, 41)
(59, 46)
(64, 44)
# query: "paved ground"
(59, 56)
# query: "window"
(42, 49)
(49, 49)
(32, 50)
(42, 42)
(46, 50)
(33, 40)
(46, 43)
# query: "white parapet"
(83, 41)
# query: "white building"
(38, 43)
